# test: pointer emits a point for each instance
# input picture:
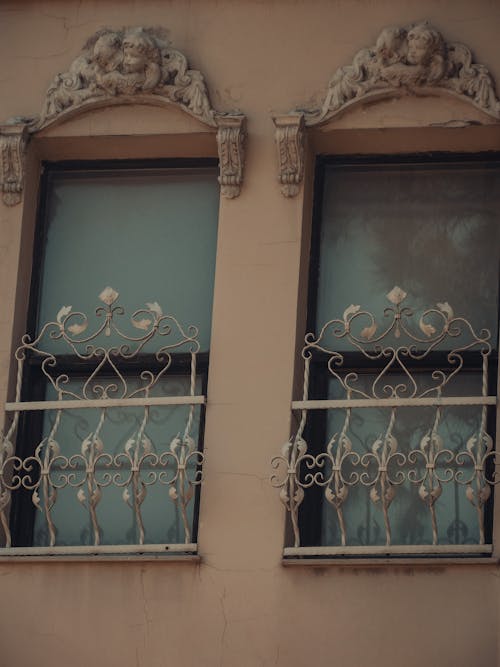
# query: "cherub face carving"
(423, 42)
(135, 53)
(107, 51)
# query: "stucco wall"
(240, 606)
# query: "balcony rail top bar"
(393, 402)
(104, 403)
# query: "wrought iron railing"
(357, 475)
(112, 374)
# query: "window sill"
(422, 555)
(107, 553)
(430, 563)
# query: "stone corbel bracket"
(231, 135)
(126, 66)
(409, 60)
(13, 139)
(290, 144)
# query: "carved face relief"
(107, 52)
(120, 66)
(135, 53)
(423, 42)
(391, 45)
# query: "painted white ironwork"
(141, 464)
(399, 348)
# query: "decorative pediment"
(412, 60)
(137, 66)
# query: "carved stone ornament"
(413, 60)
(290, 144)
(138, 66)
(13, 138)
(230, 139)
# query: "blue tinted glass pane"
(116, 513)
(151, 235)
(409, 514)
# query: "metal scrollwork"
(141, 463)
(398, 348)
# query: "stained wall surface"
(239, 606)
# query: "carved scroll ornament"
(136, 66)
(290, 145)
(414, 60)
(13, 139)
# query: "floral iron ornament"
(411, 60)
(126, 66)
(398, 347)
(141, 464)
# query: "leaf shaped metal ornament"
(471, 444)
(189, 443)
(393, 444)
(54, 447)
(346, 443)
(389, 495)
(301, 445)
(423, 493)
(175, 444)
(108, 296)
(470, 495)
(396, 295)
(147, 445)
(446, 309)
(155, 308)
(284, 497)
(143, 324)
(86, 443)
(484, 494)
(349, 312)
(298, 496)
(99, 445)
(377, 445)
(425, 443)
(35, 497)
(63, 313)
(172, 492)
(436, 492)
(95, 496)
(426, 328)
(285, 449)
(368, 332)
(82, 498)
(129, 445)
(374, 495)
(7, 447)
(126, 496)
(77, 329)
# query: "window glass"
(151, 235)
(433, 230)
(118, 475)
(117, 519)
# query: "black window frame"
(34, 383)
(315, 432)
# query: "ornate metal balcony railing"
(112, 374)
(366, 475)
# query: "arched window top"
(409, 60)
(134, 65)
